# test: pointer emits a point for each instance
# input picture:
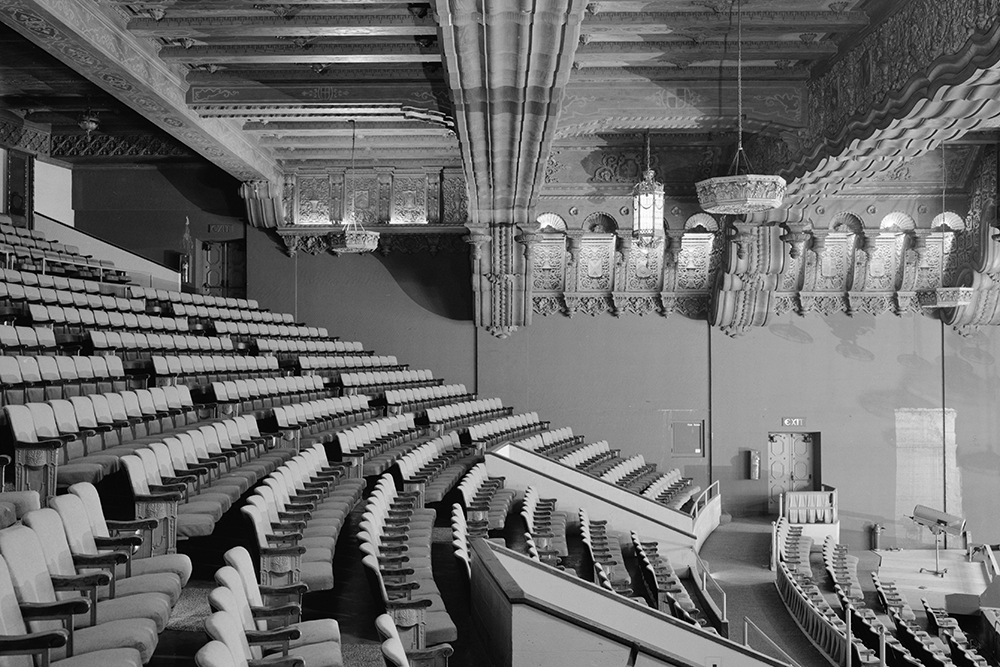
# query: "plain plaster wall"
(54, 191)
(142, 208)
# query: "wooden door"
(224, 268)
(791, 461)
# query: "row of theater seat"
(331, 365)
(487, 503)
(160, 298)
(297, 516)
(86, 286)
(199, 370)
(421, 398)
(546, 527)
(605, 553)
(664, 588)
(118, 610)
(38, 378)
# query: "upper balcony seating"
(230, 597)
(29, 251)
(605, 553)
(486, 501)
(137, 344)
(289, 348)
(199, 370)
(50, 643)
(378, 382)
(422, 398)
(465, 413)
(27, 340)
(22, 550)
(395, 539)
(546, 525)
(34, 379)
(264, 393)
(434, 468)
(552, 443)
(332, 366)
(506, 428)
(160, 299)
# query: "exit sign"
(793, 421)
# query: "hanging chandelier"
(357, 239)
(743, 191)
(647, 206)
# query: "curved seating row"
(486, 501)
(605, 552)
(434, 468)
(420, 398)
(546, 526)
(663, 587)
(506, 428)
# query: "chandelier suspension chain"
(739, 79)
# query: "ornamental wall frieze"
(23, 138)
(117, 145)
(374, 197)
(408, 242)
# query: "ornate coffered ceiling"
(488, 113)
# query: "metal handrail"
(704, 498)
(711, 587)
(748, 624)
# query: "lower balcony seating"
(891, 599)
(963, 655)
(923, 646)
(793, 547)
(395, 539)
(810, 609)
(842, 568)
(605, 553)
(546, 525)
(25, 558)
(373, 446)
(295, 640)
(460, 540)
(132, 537)
(51, 646)
(663, 587)
(487, 503)
(395, 655)
(940, 623)
(434, 468)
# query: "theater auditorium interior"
(494, 332)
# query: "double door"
(792, 465)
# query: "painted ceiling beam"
(278, 7)
(313, 25)
(317, 74)
(712, 24)
(708, 52)
(90, 39)
(417, 94)
(291, 54)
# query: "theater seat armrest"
(165, 496)
(136, 524)
(54, 610)
(290, 589)
(278, 661)
(400, 603)
(106, 559)
(79, 582)
(52, 443)
(36, 642)
(291, 612)
(428, 656)
(279, 636)
(127, 541)
(283, 551)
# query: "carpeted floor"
(738, 554)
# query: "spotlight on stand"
(938, 523)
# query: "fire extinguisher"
(877, 529)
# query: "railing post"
(746, 632)
(774, 545)
(881, 646)
(848, 655)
